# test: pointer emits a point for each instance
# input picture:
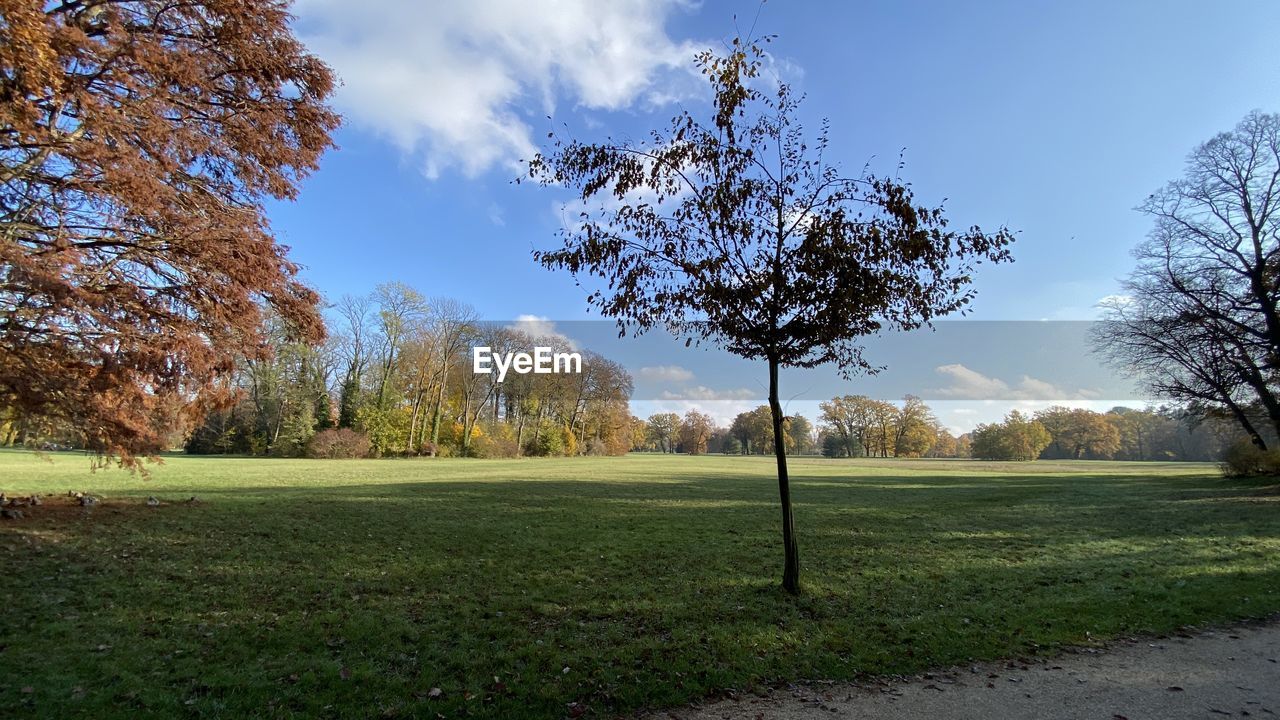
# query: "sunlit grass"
(354, 588)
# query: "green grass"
(352, 588)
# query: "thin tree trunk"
(520, 433)
(435, 420)
(537, 430)
(413, 421)
(791, 550)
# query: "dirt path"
(1233, 672)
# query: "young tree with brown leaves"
(736, 231)
(138, 141)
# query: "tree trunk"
(1242, 417)
(413, 421)
(791, 565)
(435, 419)
(537, 431)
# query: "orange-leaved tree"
(138, 142)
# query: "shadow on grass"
(517, 597)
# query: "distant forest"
(394, 378)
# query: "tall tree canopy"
(138, 141)
(1200, 322)
(735, 230)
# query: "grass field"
(550, 588)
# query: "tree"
(1200, 320)
(845, 419)
(882, 419)
(731, 445)
(1017, 438)
(663, 430)
(800, 430)
(639, 432)
(736, 231)
(833, 445)
(353, 342)
(695, 431)
(138, 142)
(453, 325)
(753, 429)
(1078, 433)
(944, 446)
(916, 429)
(401, 313)
(1144, 434)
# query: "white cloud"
(453, 83)
(1038, 389)
(702, 393)
(538, 326)
(665, 373)
(1113, 301)
(968, 384)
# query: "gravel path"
(1232, 672)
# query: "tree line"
(396, 378)
(750, 433)
(861, 426)
(1121, 433)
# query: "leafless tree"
(1199, 323)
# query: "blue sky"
(1054, 119)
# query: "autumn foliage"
(138, 142)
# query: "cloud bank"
(456, 84)
(969, 384)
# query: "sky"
(1053, 119)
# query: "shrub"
(1244, 459)
(495, 446)
(388, 430)
(338, 443)
(547, 442)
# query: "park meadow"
(572, 587)
(305, 411)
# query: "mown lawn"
(551, 588)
